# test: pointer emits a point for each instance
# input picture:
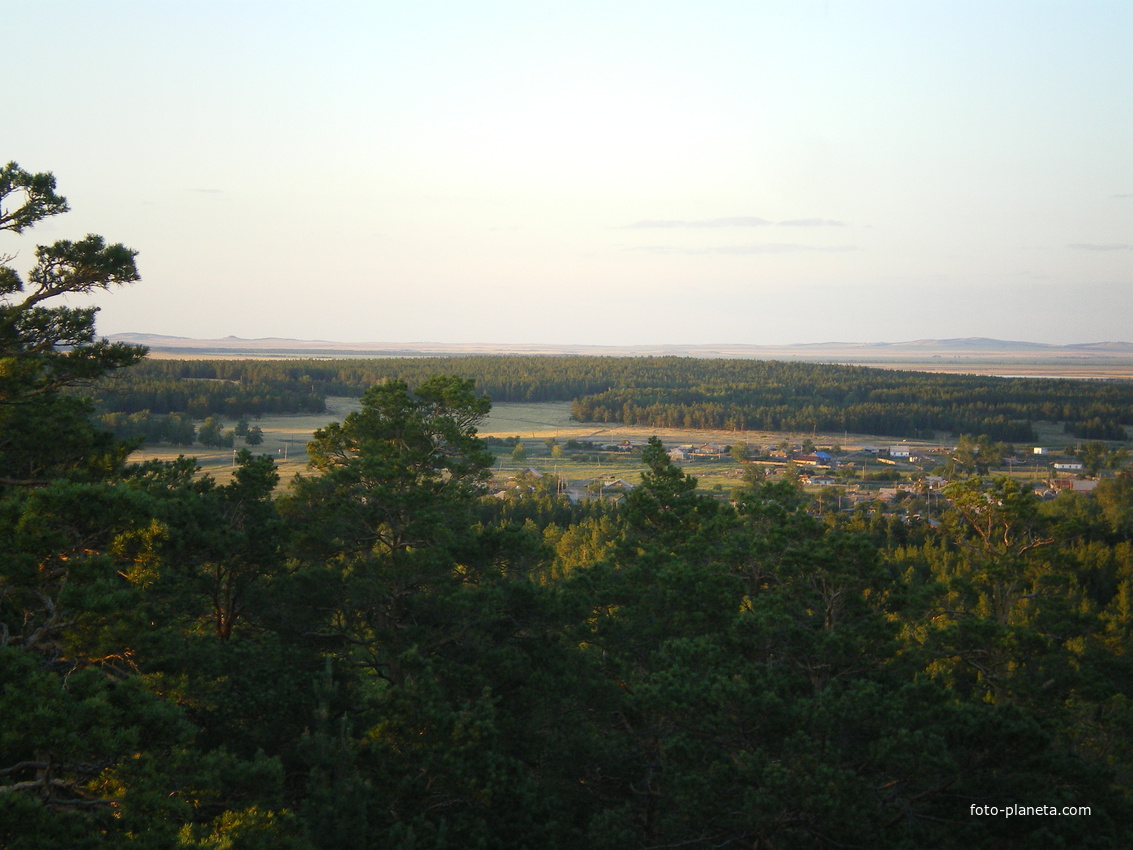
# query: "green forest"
(383, 656)
(657, 392)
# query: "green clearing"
(285, 439)
(286, 436)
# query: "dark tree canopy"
(35, 195)
(46, 346)
(402, 462)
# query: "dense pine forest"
(384, 656)
(657, 392)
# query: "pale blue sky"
(611, 173)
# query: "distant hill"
(979, 344)
(975, 343)
(965, 344)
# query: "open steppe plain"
(286, 436)
(977, 355)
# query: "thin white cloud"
(756, 248)
(812, 222)
(731, 221)
(783, 248)
(734, 221)
(666, 249)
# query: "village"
(904, 479)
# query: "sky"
(608, 172)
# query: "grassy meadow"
(286, 436)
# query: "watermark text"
(1014, 811)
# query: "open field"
(286, 436)
(552, 419)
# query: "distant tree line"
(199, 397)
(778, 396)
(658, 392)
(177, 429)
